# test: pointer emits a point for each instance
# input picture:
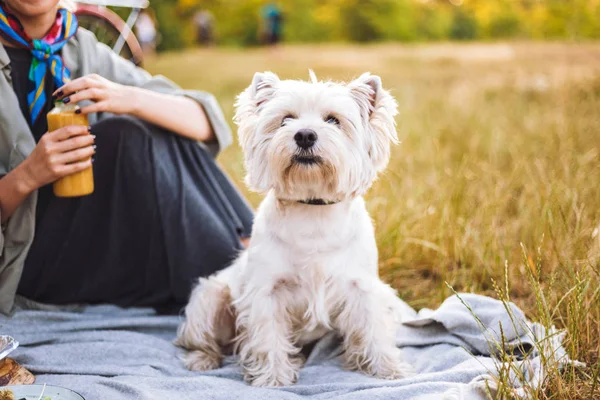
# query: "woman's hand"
(107, 96)
(60, 153)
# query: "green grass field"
(495, 188)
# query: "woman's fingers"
(85, 82)
(94, 94)
(77, 155)
(67, 132)
(75, 142)
(69, 169)
(101, 106)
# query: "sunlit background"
(237, 22)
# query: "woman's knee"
(119, 124)
(121, 133)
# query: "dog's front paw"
(273, 374)
(199, 360)
(391, 369)
(385, 365)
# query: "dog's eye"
(286, 119)
(332, 120)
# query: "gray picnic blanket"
(105, 352)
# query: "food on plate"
(6, 394)
(26, 390)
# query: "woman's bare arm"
(174, 113)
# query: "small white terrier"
(311, 267)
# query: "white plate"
(32, 392)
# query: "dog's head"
(308, 140)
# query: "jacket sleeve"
(2, 227)
(115, 68)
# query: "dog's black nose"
(305, 138)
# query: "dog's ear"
(263, 87)
(247, 116)
(249, 102)
(378, 109)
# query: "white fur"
(309, 269)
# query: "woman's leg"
(161, 215)
(203, 213)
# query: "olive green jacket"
(83, 55)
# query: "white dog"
(311, 267)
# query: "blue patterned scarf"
(46, 53)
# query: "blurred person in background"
(162, 214)
(204, 23)
(272, 26)
(146, 31)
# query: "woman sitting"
(162, 212)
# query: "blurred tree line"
(237, 22)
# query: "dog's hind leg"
(209, 326)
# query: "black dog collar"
(318, 202)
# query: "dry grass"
(501, 146)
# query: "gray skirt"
(162, 214)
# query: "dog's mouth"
(306, 159)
